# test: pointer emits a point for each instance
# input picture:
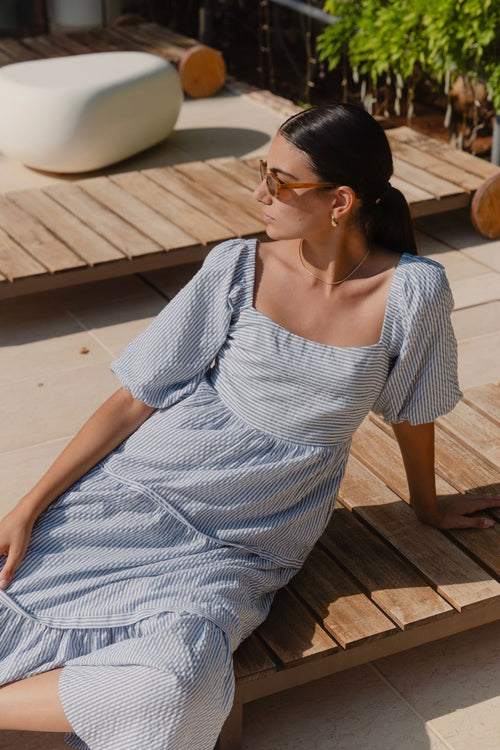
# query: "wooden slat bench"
(98, 227)
(378, 581)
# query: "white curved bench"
(83, 112)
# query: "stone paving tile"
(21, 469)
(170, 280)
(351, 710)
(114, 324)
(457, 264)
(477, 321)
(454, 684)
(476, 290)
(454, 228)
(57, 406)
(488, 254)
(478, 360)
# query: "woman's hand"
(454, 510)
(15, 533)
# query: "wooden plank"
(292, 633)
(252, 660)
(71, 45)
(198, 225)
(124, 41)
(434, 164)
(376, 448)
(226, 213)
(486, 400)
(117, 231)
(338, 601)
(143, 218)
(80, 239)
(412, 193)
(442, 150)
(391, 582)
(5, 59)
(24, 226)
(454, 575)
(95, 40)
(43, 46)
(474, 431)
(15, 262)
(221, 185)
(366, 652)
(236, 169)
(421, 178)
(17, 51)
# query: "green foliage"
(405, 38)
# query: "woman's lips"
(266, 217)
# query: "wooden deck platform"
(378, 581)
(99, 227)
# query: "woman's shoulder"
(422, 276)
(229, 254)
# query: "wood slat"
(227, 214)
(252, 660)
(79, 239)
(97, 41)
(486, 400)
(236, 169)
(391, 583)
(442, 150)
(44, 46)
(15, 262)
(374, 446)
(454, 575)
(131, 242)
(221, 185)
(339, 602)
(5, 59)
(19, 216)
(196, 224)
(433, 164)
(71, 46)
(143, 218)
(17, 51)
(292, 633)
(474, 431)
(412, 193)
(421, 178)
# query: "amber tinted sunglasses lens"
(271, 182)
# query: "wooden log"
(202, 69)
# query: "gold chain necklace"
(331, 283)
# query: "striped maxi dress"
(145, 575)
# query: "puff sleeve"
(168, 359)
(423, 382)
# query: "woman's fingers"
(457, 511)
(7, 573)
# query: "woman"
(156, 541)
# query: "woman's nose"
(262, 194)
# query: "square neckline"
(367, 347)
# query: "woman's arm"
(115, 420)
(446, 511)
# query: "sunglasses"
(275, 186)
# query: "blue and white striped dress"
(143, 578)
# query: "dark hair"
(345, 145)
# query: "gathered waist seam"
(155, 497)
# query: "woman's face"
(296, 212)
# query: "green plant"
(396, 42)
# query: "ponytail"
(388, 222)
(347, 146)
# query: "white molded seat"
(83, 112)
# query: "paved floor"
(56, 348)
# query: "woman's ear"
(344, 202)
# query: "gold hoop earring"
(335, 222)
